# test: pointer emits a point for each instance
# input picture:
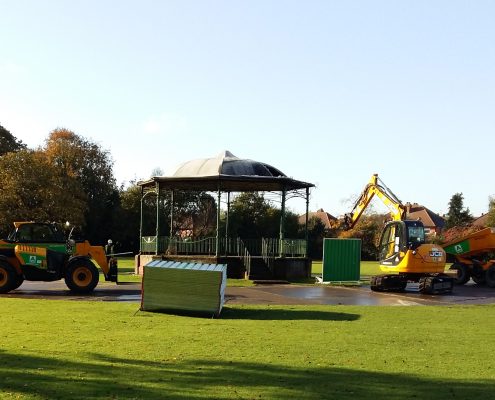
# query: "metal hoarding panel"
(184, 287)
(341, 260)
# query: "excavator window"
(392, 243)
(415, 234)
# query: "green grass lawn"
(55, 349)
(368, 268)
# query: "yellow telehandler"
(40, 252)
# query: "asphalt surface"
(272, 294)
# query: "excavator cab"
(397, 238)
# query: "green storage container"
(341, 260)
(184, 287)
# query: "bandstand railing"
(268, 248)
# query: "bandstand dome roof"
(226, 164)
(226, 172)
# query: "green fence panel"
(341, 260)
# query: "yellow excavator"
(403, 252)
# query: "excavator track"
(436, 284)
(388, 283)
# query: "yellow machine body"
(402, 247)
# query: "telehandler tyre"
(490, 276)
(18, 282)
(479, 279)
(463, 274)
(81, 276)
(7, 277)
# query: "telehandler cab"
(36, 251)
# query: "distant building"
(482, 221)
(322, 215)
(432, 222)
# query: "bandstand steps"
(259, 270)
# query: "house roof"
(481, 221)
(322, 215)
(226, 172)
(425, 215)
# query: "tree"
(457, 215)
(316, 233)
(8, 142)
(252, 216)
(491, 212)
(204, 215)
(127, 218)
(157, 171)
(368, 229)
(77, 158)
(194, 213)
(247, 214)
(31, 189)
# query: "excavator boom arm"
(375, 187)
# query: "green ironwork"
(157, 212)
(172, 205)
(306, 236)
(269, 252)
(148, 244)
(245, 257)
(264, 247)
(227, 220)
(141, 219)
(217, 248)
(282, 223)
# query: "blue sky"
(329, 92)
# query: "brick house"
(326, 218)
(482, 221)
(432, 222)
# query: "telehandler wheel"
(490, 276)
(463, 273)
(18, 282)
(81, 276)
(7, 277)
(479, 279)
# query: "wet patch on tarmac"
(356, 295)
(273, 294)
(58, 291)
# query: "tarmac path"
(286, 294)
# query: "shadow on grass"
(100, 376)
(268, 314)
(282, 314)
